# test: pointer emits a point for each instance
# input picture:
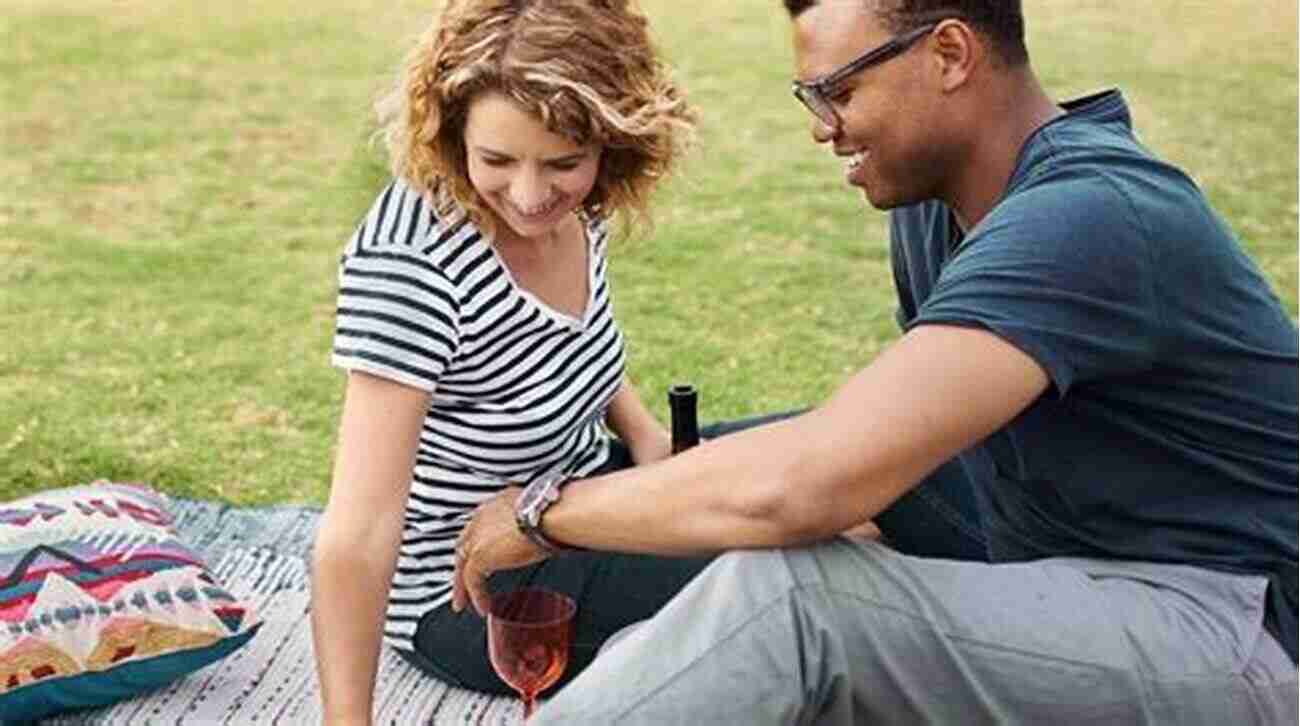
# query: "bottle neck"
(682, 404)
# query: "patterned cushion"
(100, 601)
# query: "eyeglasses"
(814, 93)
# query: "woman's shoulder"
(405, 220)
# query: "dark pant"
(937, 519)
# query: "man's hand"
(491, 542)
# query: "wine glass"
(529, 631)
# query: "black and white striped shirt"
(519, 390)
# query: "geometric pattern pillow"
(99, 601)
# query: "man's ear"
(956, 51)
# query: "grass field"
(178, 178)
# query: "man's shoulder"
(1087, 180)
(1102, 188)
(1089, 154)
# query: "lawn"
(178, 179)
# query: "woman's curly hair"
(586, 68)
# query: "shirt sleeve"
(398, 313)
(1063, 272)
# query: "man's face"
(885, 134)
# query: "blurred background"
(178, 177)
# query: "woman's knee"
(452, 647)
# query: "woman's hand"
(865, 531)
(490, 542)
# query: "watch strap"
(529, 517)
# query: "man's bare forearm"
(724, 494)
(932, 394)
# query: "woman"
(475, 324)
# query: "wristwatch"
(532, 504)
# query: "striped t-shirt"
(519, 390)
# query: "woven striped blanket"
(262, 556)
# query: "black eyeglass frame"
(812, 94)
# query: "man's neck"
(1016, 107)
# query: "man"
(1083, 334)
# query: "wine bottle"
(682, 407)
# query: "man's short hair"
(1001, 21)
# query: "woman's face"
(530, 178)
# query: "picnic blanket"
(261, 554)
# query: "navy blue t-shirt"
(1169, 430)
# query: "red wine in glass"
(529, 632)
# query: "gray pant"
(856, 633)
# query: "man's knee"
(752, 572)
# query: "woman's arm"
(360, 532)
(645, 437)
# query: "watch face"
(530, 497)
(534, 500)
(530, 502)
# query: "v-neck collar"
(559, 316)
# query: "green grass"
(178, 179)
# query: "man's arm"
(935, 392)
(926, 398)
